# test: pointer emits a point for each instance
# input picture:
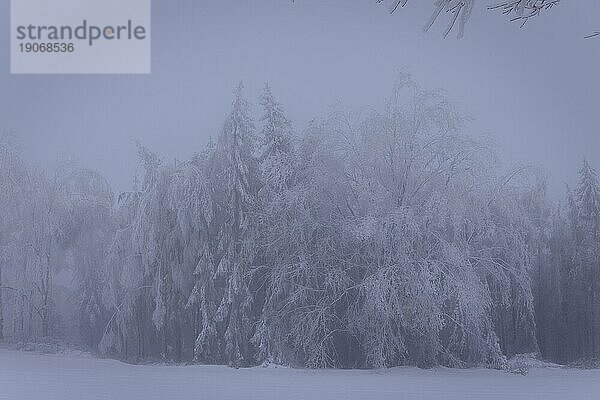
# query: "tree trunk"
(46, 295)
(46, 302)
(592, 316)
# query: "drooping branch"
(459, 12)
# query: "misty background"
(534, 91)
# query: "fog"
(534, 91)
(390, 198)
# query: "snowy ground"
(31, 376)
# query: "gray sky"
(534, 91)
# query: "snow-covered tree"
(13, 176)
(277, 154)
(568, 305)
(277, 167)
(90, 230)
(235, 180)
(191, 199)
(587, 251)
(378, 238)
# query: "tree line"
(373, 239)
